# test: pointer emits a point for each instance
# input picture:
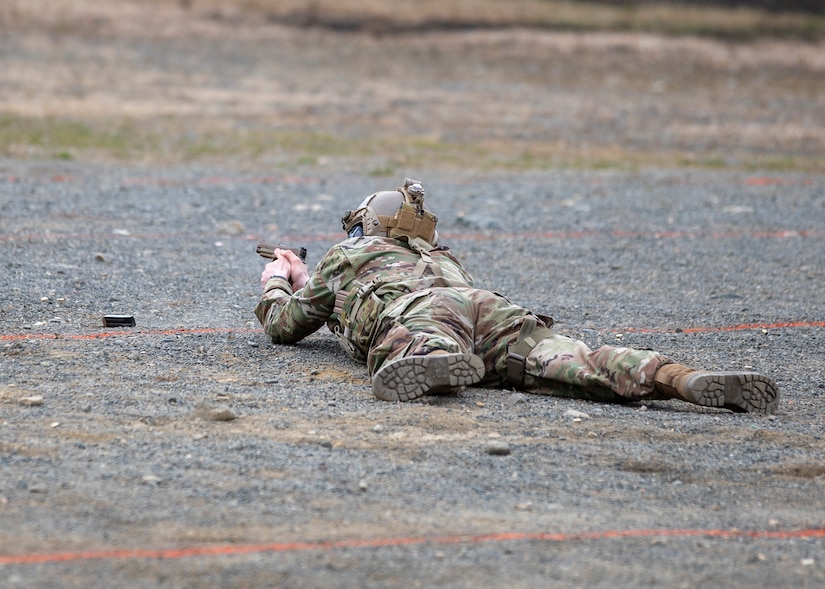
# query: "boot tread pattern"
(738, 391)
(408, 378)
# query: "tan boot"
(737, 391)
(408, 378)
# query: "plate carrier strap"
(349, 302)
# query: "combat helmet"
(393, 213)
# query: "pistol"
(267, 250)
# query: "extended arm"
(294, 304)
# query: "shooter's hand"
(298, 272)
(286, 265)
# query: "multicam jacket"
(352, 286)
(365, 287)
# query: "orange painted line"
(295, 179)
(29, 237)
(126, 332)
(122, 332)
(220, 180)
(286, 547)
(161, 181)
(767, 181)
(745, 327)
(49, 237)
(722, 328)
(775, 234)
(457, 236)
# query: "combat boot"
(737, 391)
(408, 378)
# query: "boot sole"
(408, 378)
(738, 391)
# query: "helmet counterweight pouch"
(396, 213)
(411, 222)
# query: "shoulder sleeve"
(453, 270)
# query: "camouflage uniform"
(388, 299)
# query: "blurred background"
(385, 85)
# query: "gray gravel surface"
(197, 454)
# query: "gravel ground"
(189, 452)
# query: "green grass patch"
(177, 141)
(67, 139)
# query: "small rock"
(33, 401)
(221, 413)
(378, 428)
(100, 257)
(362, 485)
(479, 221)
(576, 414)
(38, 488)
(232, 228)
(207, 412)
(516, 398)
(151, 480)
(526, 506)
(14, 349)
(498, 448)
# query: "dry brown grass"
(544, 14)
(398, 15)
(138, 80)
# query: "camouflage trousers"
(486, 323)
